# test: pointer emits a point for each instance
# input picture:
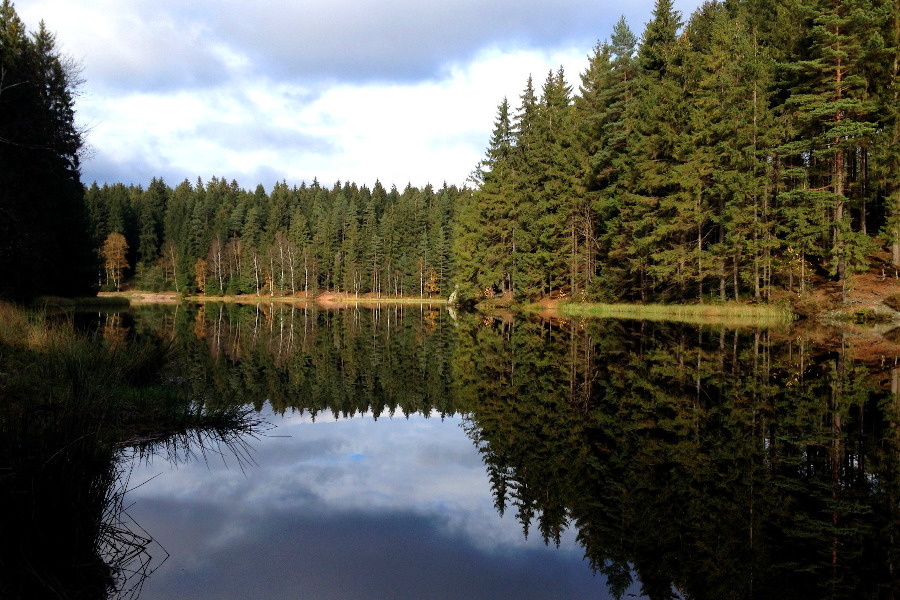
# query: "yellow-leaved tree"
(114, 256)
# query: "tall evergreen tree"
(833, 108)
(649, 212)
(45, 245)
(487, 223)
(887, 154)
(545, 167)
(605, 111)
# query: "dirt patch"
(330, 300)
(866, 291)
(136, 297)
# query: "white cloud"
(398, 133)
(394, 90)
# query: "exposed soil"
(863, 325)
(138, 297)
(866, 291)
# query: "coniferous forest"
(730, 156)
(750, 150)
(216, 238)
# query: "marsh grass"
(718, 314)
(69, 404)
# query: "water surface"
(354, 508)
(415, 453)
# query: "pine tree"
(887, 154)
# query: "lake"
(411, 452)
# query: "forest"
(216, 238)
(44, 244)
(732, 156)
(749, 152)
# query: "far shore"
(858, 312)
(325, 299)
(732, 313)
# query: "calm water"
(353, 508)
(411, 453)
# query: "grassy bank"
(49, 370)
(725, 314)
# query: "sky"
(401, 91)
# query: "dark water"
(412, 453)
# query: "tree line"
(747, 153)
(217, 238)
(731, 156)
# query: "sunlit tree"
(115, 261)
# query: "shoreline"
(853, 313)
(868, 331)
(325, 300)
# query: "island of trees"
(749, 152)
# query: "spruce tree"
(832, 106)
(650, 209)
(545, 176)
(487, 222)
(45, 243)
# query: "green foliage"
(295, 240)
(742, 152)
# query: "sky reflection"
(354, 508)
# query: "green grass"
(720, 314)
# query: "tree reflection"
(700, 462)
(712, 464)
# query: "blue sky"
(403, 91)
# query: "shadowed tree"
(45, 245)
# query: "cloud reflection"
(355, 508)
